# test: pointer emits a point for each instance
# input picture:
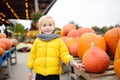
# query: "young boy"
(47, 52)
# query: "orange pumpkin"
(70, 41)
(81, 31)
(74, 49)
(73, 33)
(14, 42)
(117, 60)
(85, 40)
(7, 42)
(67, 28)
(1, 51)
(2, 45)
(111, 37)
(96, 60)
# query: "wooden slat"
(92, 76)
(106, 73)
(110, 67)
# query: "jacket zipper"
(46, 59)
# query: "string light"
(3, 18)
(3, 14)
(26, 10)
(11, 10)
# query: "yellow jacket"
(45, 56)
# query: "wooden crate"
(78, 74)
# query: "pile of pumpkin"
(31, 33)
(94, 50)
(6, 43)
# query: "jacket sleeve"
(32, 55)
(64, 53)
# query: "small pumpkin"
(2, 45)
(117, 60)
(7, 42)
(14, 42)
(1, 51)
(95, 59)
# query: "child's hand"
(78, 65)
(30, 75)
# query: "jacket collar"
(48, 37)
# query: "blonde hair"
(46, 20)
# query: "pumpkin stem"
(92, 44)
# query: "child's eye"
(50, 24)
(44, 25)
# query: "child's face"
(47, 28)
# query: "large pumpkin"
(70, 41)
(85, 40)
(67, 28)
(73, 33)
(96, 60)
(111, 37)
(117, 60)
(81, 31)
(74, 49)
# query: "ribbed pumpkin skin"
(111, 37)
(96, 60)
(117, 60)
(85, 40)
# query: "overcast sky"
(86, 13)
